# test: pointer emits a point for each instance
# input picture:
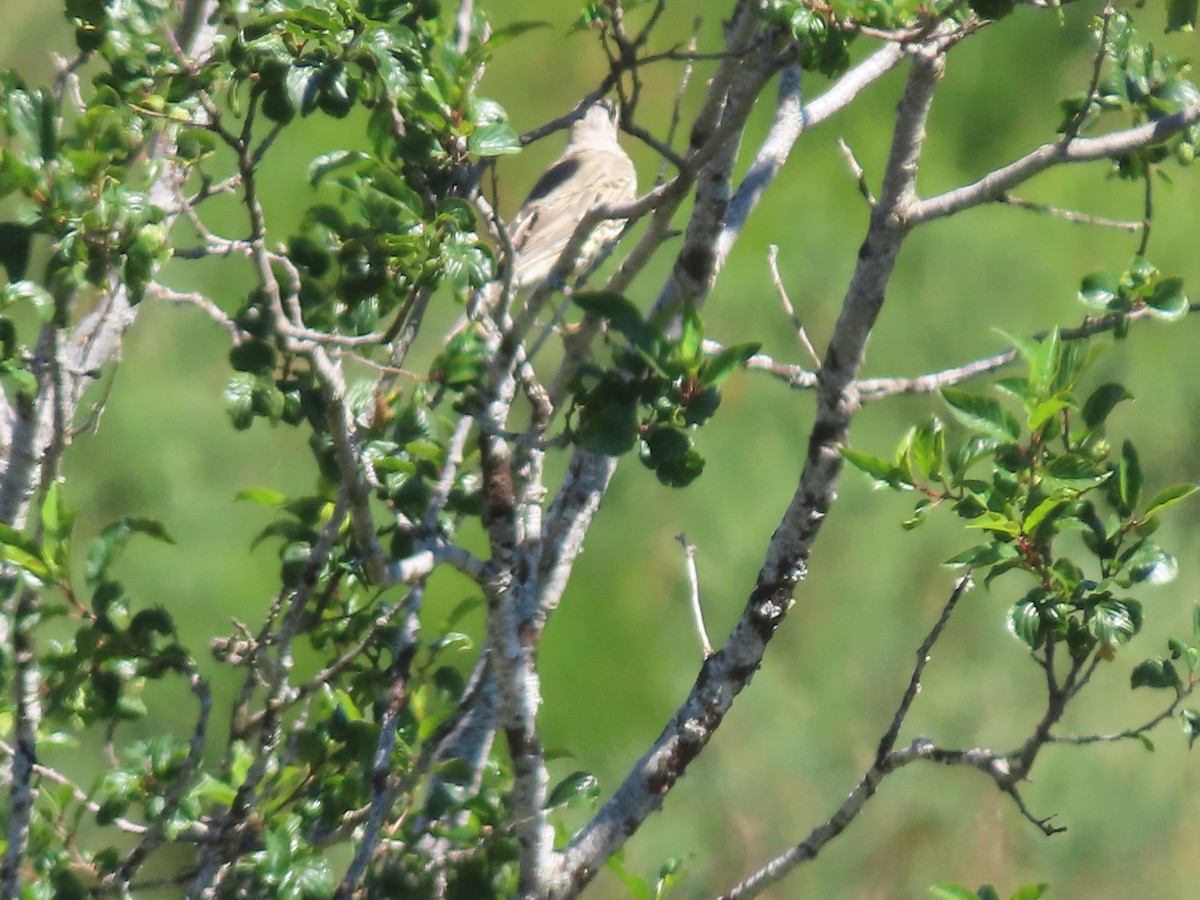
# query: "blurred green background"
(621, 653)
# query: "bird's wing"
(579, 181)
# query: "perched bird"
(593, 171)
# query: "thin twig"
(797, 324)
(693, 577)
(856, 170)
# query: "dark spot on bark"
(823, 434)
(554, 176)
(498, 501)
(863, 251)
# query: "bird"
(593, 171)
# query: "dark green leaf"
(577, 789)
(239, 400)
(1025, 621)
(329, 163)
(1114, 622)
(1101, 403)
(1129, 480)
(1181, 15)
(1154, 673)
(1168, 300)
(112, 540)
(1099, 289)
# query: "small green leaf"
(983, 555)
(577, 789)
(1129, 479)
(261, 496)
(1190, 720)
(1168, 301)
(952, 892)
(1169, 496)
(881, 472)
(1044, 366)
(1099, 289)
(719, 367)
(112, 540)
(982, 414)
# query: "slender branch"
(999, 181)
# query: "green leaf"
(982, 414)
(719, 367)
(952, 892)
(1154, 673)
(1190, 720)
(994, 521)
(239, 400)
(1044, 366)
(1025, 621)
(1101, 403)
(1181, 15)
(1114, 622)
(1129, 479)
(881, 472)
(577, 789)
(329, 163)
(1151, 564)
(112, 540)
(31, 292)
(21, 551)
(1044, 509)
(1169, 496)
(1099, 289)
(623, 316)
(1168, 301)
(690, 339)
(261, 496)
(983, 555)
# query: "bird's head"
(600, 119)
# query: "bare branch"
(996, 183)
